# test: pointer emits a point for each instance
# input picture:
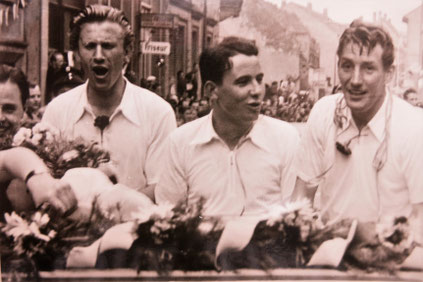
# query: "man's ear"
(210, 90)
(129, 50)
(389, 74)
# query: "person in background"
(33, 110)
(22, 163)
(181, 85)
(57, 64)
(359, 147)
(130, 122)
(226, 157)
(410, 95)
(66, 80)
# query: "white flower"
(36, 138)
(276, 212)
(16, 226)
(22, 135)
(70, 155)
(206, 227)
(50, 137)
(52, 234)
(36, 232)
(40, 219)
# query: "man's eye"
(107, 46)
(369, 68)
(346, 66)
(243, 81)
(259, 79)
(9, 108)
(89, 46)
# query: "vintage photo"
(204, 140)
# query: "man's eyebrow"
(244, 77)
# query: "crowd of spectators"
(281, 100)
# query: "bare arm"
(22, 162)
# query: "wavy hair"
(367, 36)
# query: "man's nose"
(256, 87)
(356, 77)
(98, 54)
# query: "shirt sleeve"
(50, 116)
(154, 159)
(172, 186)
(288, 172)
(309, 162)
(413, 162)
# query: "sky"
(345, 11)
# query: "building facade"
(31, 30)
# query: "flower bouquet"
(177, 237)
(388, 245)
(59, 153)
(42, 239)
(287, 237)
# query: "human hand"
(58, 193)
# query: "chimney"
(374, 17)
(325, 12)
(309, 6)
(283, 4)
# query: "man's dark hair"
(368, 36)
(53, 56)
(215, 61)
(100, 13)
(408, 91)
(15, 75)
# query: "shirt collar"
(82, 105)
(126, 106)
(206, 133)
(376, 124)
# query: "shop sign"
(157, 48)
(151, 20)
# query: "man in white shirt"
(128, 121)
(237, 160)
(363, 147)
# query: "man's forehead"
(107, 25)
(243, 63)
(362, 50)
(34, 90)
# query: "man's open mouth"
(100, 71)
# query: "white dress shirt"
(350, 186)
(249, 179)
(134, 138)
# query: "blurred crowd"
(282, 100)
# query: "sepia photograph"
(211, 140)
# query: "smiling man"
(128, 121)
(239, 161)
(363, 147)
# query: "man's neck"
(229, 130)
(106, 102)
(362, 119)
